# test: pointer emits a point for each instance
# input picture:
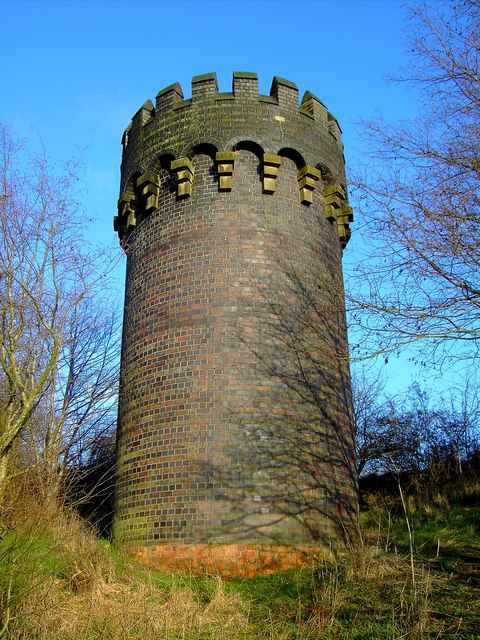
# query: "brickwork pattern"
(228, 560)
(225, 200)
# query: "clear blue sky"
(75, 71)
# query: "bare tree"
(433, 436)
(79, 406)
(371, 406)
(55, 344)
(417, 274)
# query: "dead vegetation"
(58, 580)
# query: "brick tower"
(235, 446)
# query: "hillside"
(60, 581)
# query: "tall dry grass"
(58, 581)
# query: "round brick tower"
(235, 441)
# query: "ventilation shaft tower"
(235, 441)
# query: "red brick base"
(227, 560)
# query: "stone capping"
(245, 83)
(183, 103)
(314, 107)
(210, 78)
(268, 99)
(225, 96)
(250, 75)
(167, 98)
(333, 126)
(204, 86)
(284, 91)
(143, 115)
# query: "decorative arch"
(200, 145)
(162, 162)
(292, 154)
(249, 145)
(160, 167)
(132, 180)
(253, 148)
(183, 169)
(204, 148)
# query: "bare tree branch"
(58, 347)
(417, 275)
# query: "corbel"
(225, 161)
(307, 178)
(344, 217)
(335, 196)
(183, 170)
(271, 164)
(337, 210)
(126, 219)
(148, 190)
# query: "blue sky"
(76, 71)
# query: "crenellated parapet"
(283, 94)
(275, 127)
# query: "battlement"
(283, 94)
(171, 133)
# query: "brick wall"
(235, 432)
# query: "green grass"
(59, 582)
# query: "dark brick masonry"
(235, 448)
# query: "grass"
(58, 581)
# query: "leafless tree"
(416, 430)
(57, 338)
(370, 405)
(417, 274)
(79, 406)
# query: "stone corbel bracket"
(148, 191)
(183, 171)
(307, 178)
(271, 165)
(225, 161)
(337, 210)
(127, 217)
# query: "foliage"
(417, 273)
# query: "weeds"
(58, 581)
